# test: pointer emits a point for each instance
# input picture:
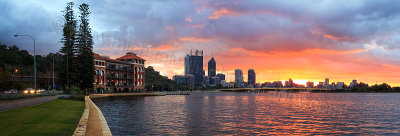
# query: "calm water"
(225, 113)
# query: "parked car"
(40, 91)
(12, 91)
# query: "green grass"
(58, 117)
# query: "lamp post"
(34, 54)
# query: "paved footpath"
(15, 104)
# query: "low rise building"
(339, 85)
(124, 74)
(310, 84)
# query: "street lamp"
(34, 54)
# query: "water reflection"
(254, 113)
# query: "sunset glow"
(304, 40)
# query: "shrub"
(72, 97)
(75, 90)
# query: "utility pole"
(53, 75)
(34, 54)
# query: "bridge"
(274, 89)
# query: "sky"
(307, 40)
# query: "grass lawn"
(58, 117)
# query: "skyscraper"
(326, 82)
(251, 78)
(238, 77)
(187, 65)
(221, 77)
(194, 66)
(212, 68)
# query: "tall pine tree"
(68, 50)
(85, 50)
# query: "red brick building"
(124, 74)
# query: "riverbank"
(345, 91)
(127, 94)
(92, 121)
(57, 117)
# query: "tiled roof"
(130, 55)
(97, 56)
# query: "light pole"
(34, 54)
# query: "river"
(273, 113)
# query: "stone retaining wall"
(99, 121)
(82, 128)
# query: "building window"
(102, 72)
(97, 72)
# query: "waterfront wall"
(82, 125)
(93, 122)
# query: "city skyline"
(305, 40)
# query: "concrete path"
(15, 104)
(94, 124)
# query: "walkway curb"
(105, 130)
(81, 129)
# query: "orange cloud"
(169, 28)
(194, 39)
(296, 53)
(188, 19)
(311, 65)
(329, 36)
(222, 12)
(335, 37)
(164, 47)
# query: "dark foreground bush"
(72, 97)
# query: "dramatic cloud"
(307, 39)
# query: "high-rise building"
(194, 66)
(289, 83)
(214, 81)
(238, 77)
(353, 83)
(251, 78)
(326, 82)
(212, 68)
(310, 84)
(221, 77)
(320, 84)
(179, 79)
(187, 65)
